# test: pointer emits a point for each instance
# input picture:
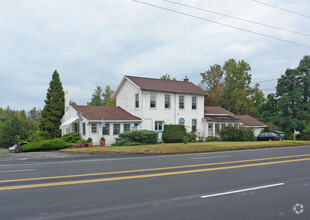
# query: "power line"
(283, 9)
(264, 81)
(237, 18)
(223, 24)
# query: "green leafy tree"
(268, 110)
(53, 109)
(97, 98)
(167, 77)
(228, 86)
(293, 100)
(213, 83)
(107, 97)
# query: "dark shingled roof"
(104, 112)
(166, 85)
(216, 110)
(250, 121)
(227, 118)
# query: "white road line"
(11, 171)
(200, 158)
(241, 190)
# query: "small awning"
(68, 122)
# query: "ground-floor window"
(84, 128)
(159, 125)
(94, 128)
(210, 129)
(217, 129)
(106, 129)
(116, 128)
(194, 124)
(126, 127)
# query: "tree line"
(228, 85)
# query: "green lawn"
(187, 148)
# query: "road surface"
(247, 184)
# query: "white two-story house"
(158, 102)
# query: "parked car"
(280, 133)
(19, 146)
(11, 149)
(268, 136)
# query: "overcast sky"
(97, 42)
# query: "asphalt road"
(247, 184)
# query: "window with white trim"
(137, 100)
(116, 128)
(194, 124)
(194, 102)
(93, 128)
(159, 125)
(167, 101)
(153, 100)
(126, 127)
(181, 102)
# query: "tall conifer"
(53, 109)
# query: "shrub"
(46, 145)
(305, 134)
(89, 140)
(102, 139)
(212, 139)
(185, 139)
(71, 138)
(174, 133)
(192, 136)
(234, 134)
(142, 136)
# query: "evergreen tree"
(53, 109)
(97, 99)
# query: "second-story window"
(194, 102)
(167, 101)
(181, 102)
(137, 100)
(153, 100)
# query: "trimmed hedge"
(46, 145)
(142, 136)
(173, 133)
(237, 134)
(71, 138)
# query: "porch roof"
(69, 121)
(224, 118)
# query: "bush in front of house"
(212, 139)
(142, 136)
(230, 133)
(46, 145)
(71, 138)
(173, 133)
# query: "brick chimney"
(185, 79)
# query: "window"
(76, 128)
(137, 100)
(126, 127)
(153, 100)
(217, 129)
(181, 121)
(181, 102)
(194, 102)
(116, 128)
(93, 128)
(84, 128)
(158, 125)
(194, 124)
(167, 101)
(236, 125)
(106, 129)
(210, 129)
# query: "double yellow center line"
(150, 175)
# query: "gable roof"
(216, 110)
(250, 121)
(165, 85)
(105, 113)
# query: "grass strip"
(179, 148)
